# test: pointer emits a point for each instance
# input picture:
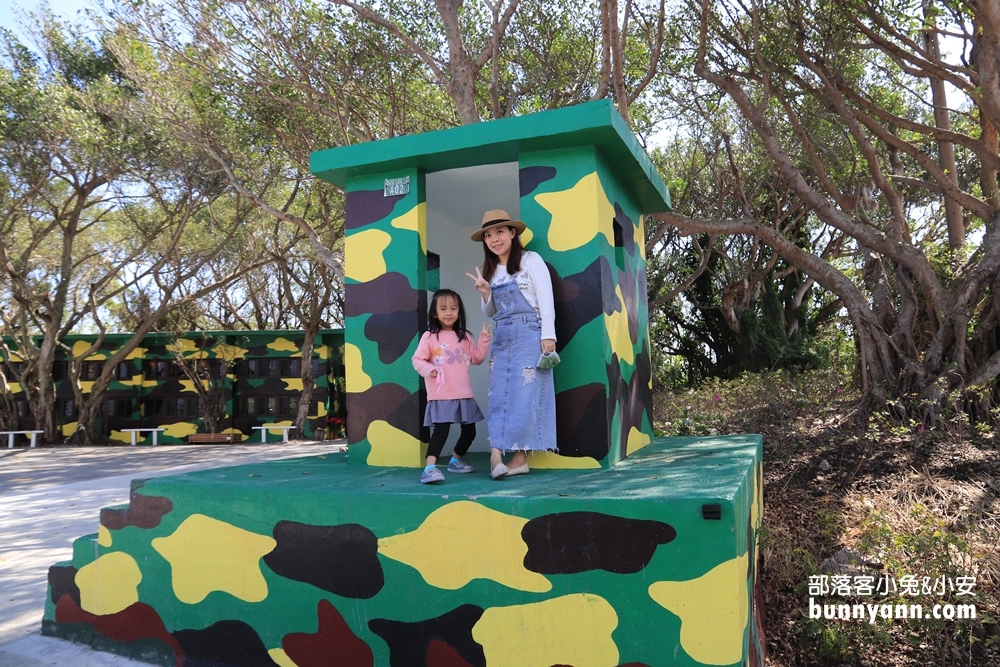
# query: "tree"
(470, 49)
(58, 158)
(208, 373)
(257, 89)
(727, 304)
(295, 291)
(868, 167)
(97, 204)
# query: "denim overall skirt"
(522, 409)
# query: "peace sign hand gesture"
(481, 284)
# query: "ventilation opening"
(619, 245)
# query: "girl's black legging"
(440, 435)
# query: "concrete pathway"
(49, 496)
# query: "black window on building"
(259, 368)
(267, 405)
(161, 370)
(172, 406)
(290, 368)
(247, 368)
(91, 370)
(118, 407)
(15, 368)
(155, 370)
(65, 408)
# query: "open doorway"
(456, 201)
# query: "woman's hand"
(481, 284)
(485, 334)
(548, 345)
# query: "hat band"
(494, 222)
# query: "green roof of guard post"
(594, 123)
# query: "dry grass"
(964, 508)
(914, 500)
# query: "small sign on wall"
(397, 186)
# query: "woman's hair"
(490, 260)
(434, 324)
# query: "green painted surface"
(404, 255)
(667, 482)
(593, 123)
(673, 470)
(572, 215)
(585, 184)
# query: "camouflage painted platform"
(313, 561)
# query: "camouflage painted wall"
(385, 283)
(149, 389)
(294, 563)
(587, 229)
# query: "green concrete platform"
(650, 562)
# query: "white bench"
(134, 431)
(273, 427)
(10, 436)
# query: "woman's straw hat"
(497, 217)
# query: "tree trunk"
(988, 175)
(462, 69)
(89, 429)
(308, 382)
(953, 210)
(44, 399)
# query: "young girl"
(442, 358)
(517, 294)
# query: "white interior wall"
(456, 201)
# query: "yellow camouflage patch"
(713, 619)
(207, 555)
(475, 542)
(569, 630)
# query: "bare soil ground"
(908, 499)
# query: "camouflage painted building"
(644, 555)
(255, 374)
(313, 561)
(581, 181)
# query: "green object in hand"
(548, 360)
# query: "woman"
(517, 294)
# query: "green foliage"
(719, 406)
(834, 642)
(921, 544)
(747, 308)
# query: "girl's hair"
(491, 261)
(434, 324)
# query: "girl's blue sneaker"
(431, 475)
(455, 465)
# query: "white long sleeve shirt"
(536, 286)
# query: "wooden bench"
(210, 438)
(10, 436)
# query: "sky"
(13, 13)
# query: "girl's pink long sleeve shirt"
(451, 358)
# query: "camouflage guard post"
(581, 182)
(643, 554)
